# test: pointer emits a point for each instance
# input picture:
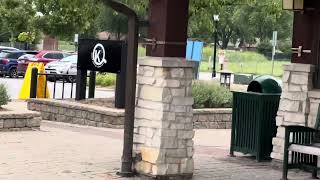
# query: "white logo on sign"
(98, 56)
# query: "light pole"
(216, 20)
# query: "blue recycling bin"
(194, 53)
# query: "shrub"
(4, 97)
(285, 48)
(264, 47)
(105, 80)
(209, 95)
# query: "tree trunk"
(12, 39)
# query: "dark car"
(44, 57)
(9, 62)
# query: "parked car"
(9, 62)
(5, 48)
(44, 57)
(65, 66)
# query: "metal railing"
(55, 79)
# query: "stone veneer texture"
(298, 105)
(164, 117)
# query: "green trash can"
(253, 118)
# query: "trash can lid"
(264, 84)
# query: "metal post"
(92, 84)
(81, 84)
(131, 76)
(121, 82)
(214, 74)
(34, 82)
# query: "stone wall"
(212, 118)
(163, 118)
(77, 113)
(13, 120)
(298, 105)
(105, 102)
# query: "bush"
(106, 80)
(285, 48)
(4, 97)
(264, 47)
(209, 95)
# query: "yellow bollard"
(25, 90)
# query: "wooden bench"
(301, 148)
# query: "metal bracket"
(153, 42)
(299, 51)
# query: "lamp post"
(216, 20)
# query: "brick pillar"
(294, 108)
(163, 118)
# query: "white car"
(65, 66)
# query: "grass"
(66, 46)
(245, 62)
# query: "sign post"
(96, 55)
(274, 44)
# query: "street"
(14, 87)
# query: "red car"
(43, 56)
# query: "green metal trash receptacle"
(253, 118)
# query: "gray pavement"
(14, 88)
(62, 151)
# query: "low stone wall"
(212, 118)
(105, 102)
(17, 120)
(78, 113)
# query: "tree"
(113, 22)
(16, 16)
(64, 18)
(240, 21)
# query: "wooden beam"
(168, 20)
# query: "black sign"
(100, 55)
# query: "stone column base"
(294, 108)
(163, 118)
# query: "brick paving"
(69, 152)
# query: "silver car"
(65, 66)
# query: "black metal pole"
(214, 74)
(92, 84)
(131, 76)
(34, 82)
(81, 84)
(121, 81)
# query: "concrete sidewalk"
(63, 151)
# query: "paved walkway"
(69, 152)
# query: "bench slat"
(312, 149)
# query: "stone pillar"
(163, 118)
(294, 108)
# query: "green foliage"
(285, 47)
(111, 21)
(16, 16)
(4, 97)
(27, 37)
(209, 95)
(105, 80)
(64, 18)
(264, 47)
(240, 21)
